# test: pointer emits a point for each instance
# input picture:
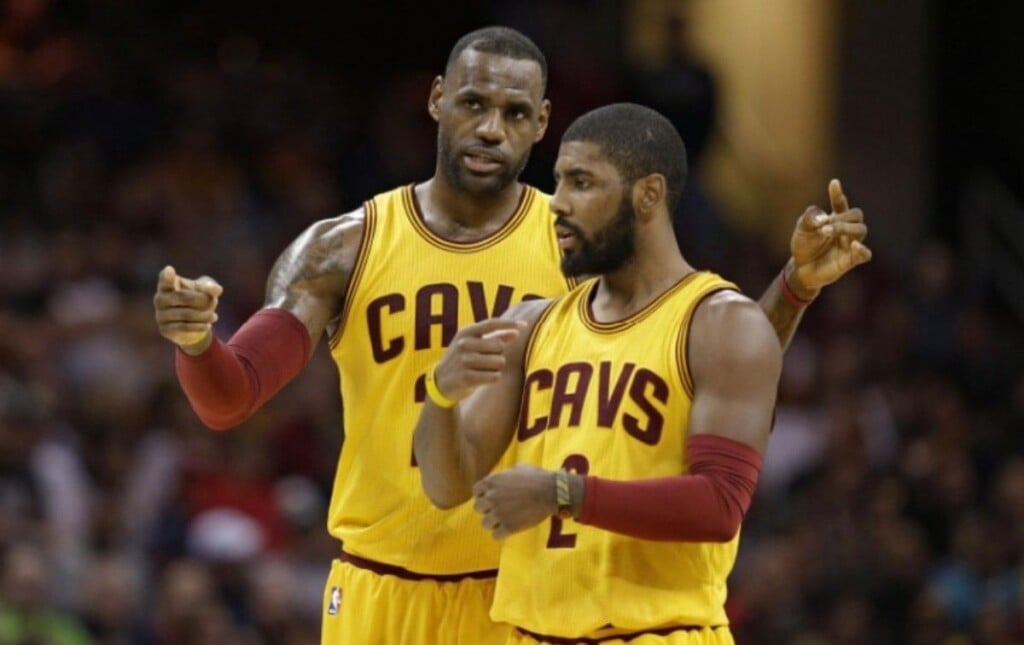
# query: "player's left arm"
(824, 247)
(735, 364)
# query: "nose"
(491, 127)
(559, 204)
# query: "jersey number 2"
(556, 538)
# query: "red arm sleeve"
(706, 505)
(229, 381)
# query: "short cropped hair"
(638, 141)
(503, 41)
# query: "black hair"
(638, 141)
(500, 40)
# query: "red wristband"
(791, 297)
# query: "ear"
(543, 118)
(434, 100)
(649, 196)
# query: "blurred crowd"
(890, 509)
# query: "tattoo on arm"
(783, 316)
(310, 277)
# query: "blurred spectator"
(112, 602)
(27, 614)
(682, 88)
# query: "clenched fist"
(515, 499)
(475, 357)
(186, 310)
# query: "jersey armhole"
(683, 341)
(528, 352)
(370, 223)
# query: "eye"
(472, 104)
(517, 114)
(581, 183)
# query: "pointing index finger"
(498, 327)
(504, 335)
(837, 197)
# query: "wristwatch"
(563, 495)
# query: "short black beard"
(460, 178)
(610, 249)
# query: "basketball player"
(638, 407)
(389, 284)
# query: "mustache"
(576, 230)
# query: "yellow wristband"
(440, 400)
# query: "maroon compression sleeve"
(706, 505)
(229, 381)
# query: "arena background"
(207, 135)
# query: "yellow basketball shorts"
(683, 636)
(365, 607)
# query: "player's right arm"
(481, 373)
(227, 382)
(824, 247)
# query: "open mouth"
(565, 238)
(481, 164)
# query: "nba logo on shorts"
(332, 609)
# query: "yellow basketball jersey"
(410, 292)
(611, 400)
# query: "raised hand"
(186, 309)
(513, 500)
(825, 246)
(475, 357)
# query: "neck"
(449, 208)
(656, 267)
